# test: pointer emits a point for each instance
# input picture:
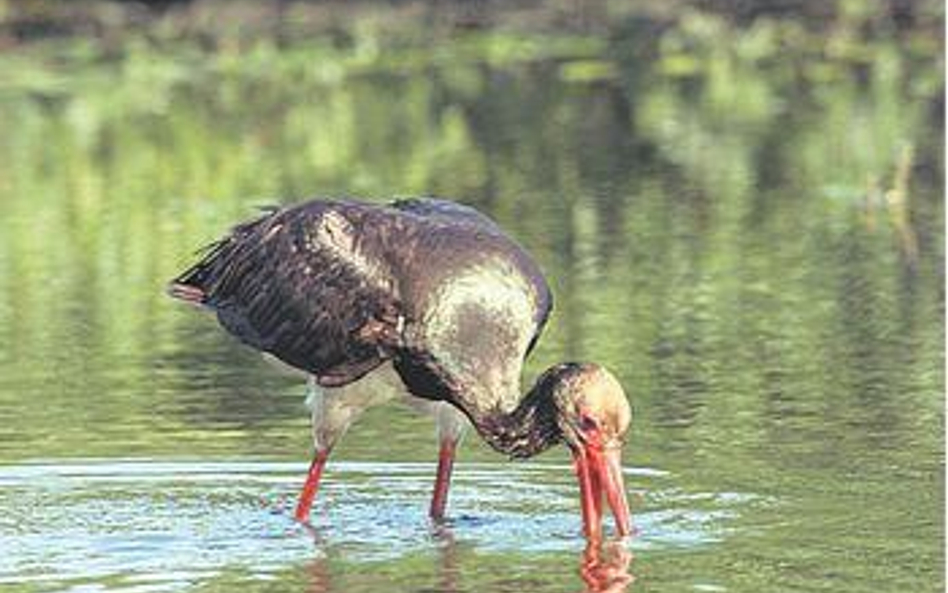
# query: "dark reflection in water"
(448, 570)
(603, 566)
(318, 573)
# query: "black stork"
(421, 297)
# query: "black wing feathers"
(288, 284)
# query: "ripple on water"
(167, 525)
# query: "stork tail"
(187, 293)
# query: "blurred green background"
(739, 206)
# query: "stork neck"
(529, 429)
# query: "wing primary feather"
(277, 285)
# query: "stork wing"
(303, 285)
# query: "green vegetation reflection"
(742, 214)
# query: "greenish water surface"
(746, 228)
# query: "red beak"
(599, 471)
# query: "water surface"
(749, 233)
(174, 524)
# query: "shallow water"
(168, 525)
(752, 241)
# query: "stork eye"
(587, 423)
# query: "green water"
(743, 220)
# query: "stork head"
(594, 416)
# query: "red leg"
(311, 486)
(439, 497)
